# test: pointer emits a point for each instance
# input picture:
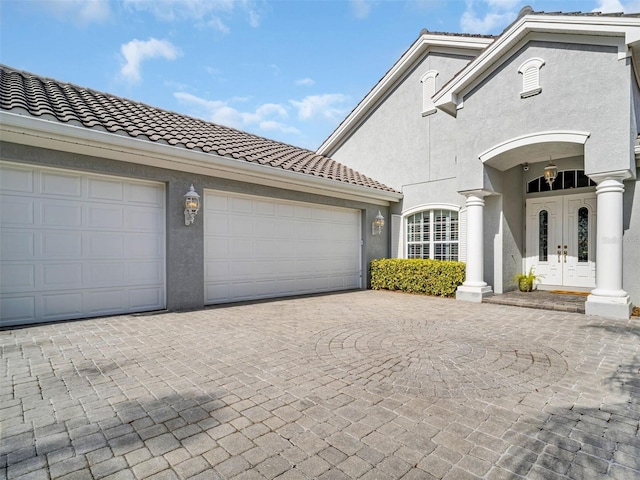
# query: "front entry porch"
(560, 301)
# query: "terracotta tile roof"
(22, 92)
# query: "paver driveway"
(355, 385)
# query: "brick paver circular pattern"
(421, 360)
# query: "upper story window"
(565, 180)
(428, 81)
(433, 234)
(530, 71)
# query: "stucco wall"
(584, 88)
(185, 247)
(631, 239)
(399, 147)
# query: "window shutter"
(462, 226)
(397, 237)
(428, 90)
(530, 71)
(530, 79)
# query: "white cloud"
(488, 16)
(360, 8)
(332, 106)
(205, 11)
(267, 117)
(137, 51)
(217, 24)
(614, 6)
(82, 12)
(305, 82)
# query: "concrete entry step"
(559, 300)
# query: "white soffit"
(449, 98)
(535, 147)
(427, 42)
(26, 130)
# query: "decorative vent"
(530, 71)
(428, 90)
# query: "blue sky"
(286, 70)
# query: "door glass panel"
(543, 227)
(583, 234)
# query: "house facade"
(513, 153)
(93, 221)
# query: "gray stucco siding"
(631, 239)
(584, 88)
(185, 245)
(397, 145)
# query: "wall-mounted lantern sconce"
(550, 173)
(378, 223)
(191, 205)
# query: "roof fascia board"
(36, 132)
(449, 97)
(426, 43)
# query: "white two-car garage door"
(76, 245)
(258, 247)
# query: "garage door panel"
(105, 217)
(16, 179)
(66, 275)
(144, 193)
(61, 245)
(265, 208)
(140, 245)
(141, 272)
(145, 298)
(61, 305)
(17, 211)
(17, 278)
(241, 205)
(105, 274)
(216, 247)
(60, 184)
(79, 245)
(18, 308)
(103, 302)
(105, 189)
(105, 245)
(17, 245)
(276, 248)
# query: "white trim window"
(428, 81)
(530, 71)
(433, 234)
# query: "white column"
(608, 298)
(474, 287)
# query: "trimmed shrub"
(430, 277)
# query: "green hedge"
(430, 277)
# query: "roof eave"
(425, 42)
(449, 97)
(42, 133)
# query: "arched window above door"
(566, 180)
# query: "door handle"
(559, 252)
(565, 254)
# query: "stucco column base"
(607, 306)
(473, 294)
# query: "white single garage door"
(75, 245)
(259, 247)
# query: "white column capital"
(617, 175)
(475, 193)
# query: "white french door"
(560, 238)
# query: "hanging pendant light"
(550, 173)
